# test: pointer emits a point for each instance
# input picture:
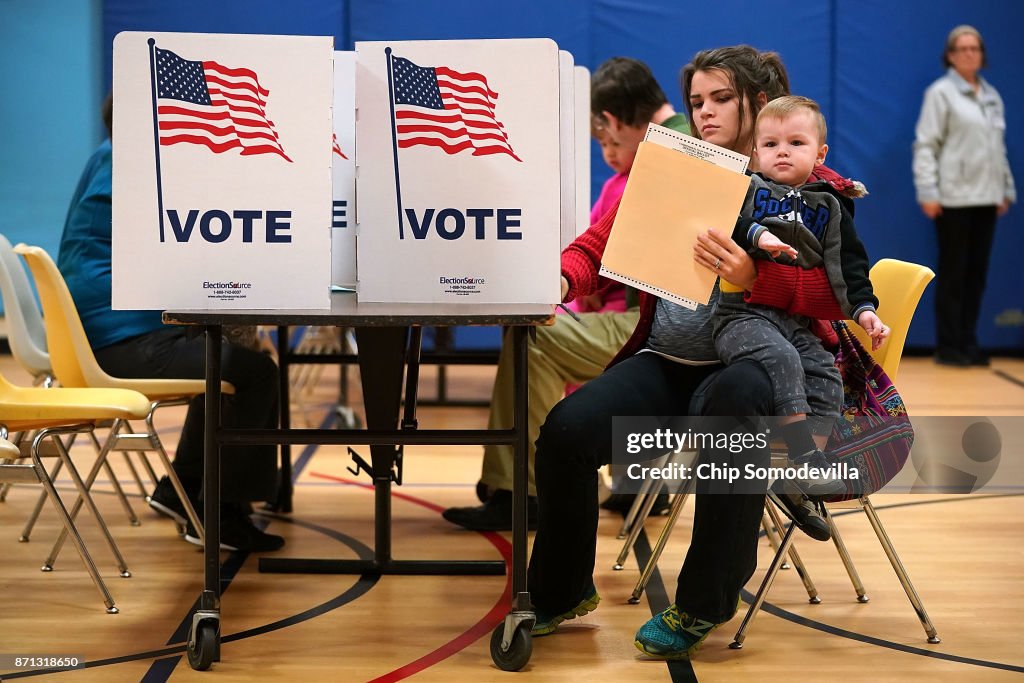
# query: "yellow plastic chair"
(75, 365)
(26, 334)
(898, 286)
(52, 413)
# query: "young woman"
(668, 360)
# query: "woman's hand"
(931, 209)
(722, 256)
(565, 288)
(1003, 208)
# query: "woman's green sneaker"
(547, 623)
(673, 634)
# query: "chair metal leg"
(901, 572)
(150, 472)
(773, 535)
(143, 491)
(844, 555)
(798, 563)
(634, 531)
(84, 497)
(678, 501)
(171, 474)
(634, 510)
(69, 527)
(6, 487)
(33, 517)
(762, 592)
(118, 491)
(30, 524)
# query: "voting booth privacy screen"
(458, 190)
(221, 171)
(343, 173)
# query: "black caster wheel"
(519, 651)
(201, 652)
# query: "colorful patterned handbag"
(873, 434)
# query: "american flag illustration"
(206, 103)
(448, 109)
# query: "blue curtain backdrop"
(51, 79)
(867, 63)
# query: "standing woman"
(963, 183)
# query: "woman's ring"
(718, 264)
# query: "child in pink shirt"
(611, 296)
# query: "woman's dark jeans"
(576, 440)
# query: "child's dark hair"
(626, 89)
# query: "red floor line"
(479, 629)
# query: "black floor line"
(680, 670)
(231, 567)
(1008, 377)
(871, 640)
(168, 657)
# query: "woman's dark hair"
(750, 72)
(626, 88)
(963, 29)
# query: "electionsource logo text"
(461, 280)
(227, 285)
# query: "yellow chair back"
(898, 286)
(71, 356)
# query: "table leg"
(285, 488)
(204, 634)
(511, 642)
(521, 472)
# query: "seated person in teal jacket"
(137, 344)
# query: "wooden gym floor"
(963, 553)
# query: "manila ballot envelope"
(671, 198)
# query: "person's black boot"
(621, 502)
(494, 515)
(164, 500)
(238, 532)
